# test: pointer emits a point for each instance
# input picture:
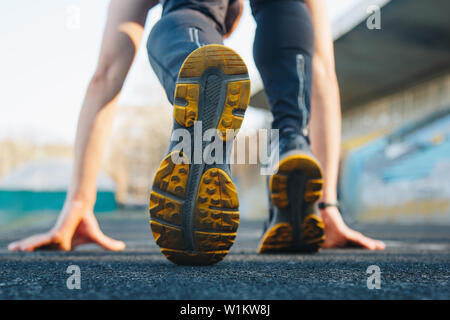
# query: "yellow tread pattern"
(238, 98)
(216, 215)
(187, 114)
(215, 192)
(208, 241)
(278, 181)
(167, 236)
(217, 56)
(278, 237)
(312, 228)
(165, 209)
(172, 178)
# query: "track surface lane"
(415, 265)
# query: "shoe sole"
(194, 212)
(304, 232)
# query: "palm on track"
(339, 235)
(87, 231)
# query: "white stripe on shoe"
(301, 89)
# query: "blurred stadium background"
(395, 87)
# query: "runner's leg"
(173, 38)
(283, 50)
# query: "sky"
(47, 61)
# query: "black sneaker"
(194, 207)
(293, 225)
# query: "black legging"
(283, 50)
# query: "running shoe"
(293, 225)
(194, 207)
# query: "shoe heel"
(294, 190)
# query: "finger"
(33, 242)
(17, 245)
(374, 244)
(30, 243)
(380, 245)
(109, 243)
(13, 246)
(358, 239)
